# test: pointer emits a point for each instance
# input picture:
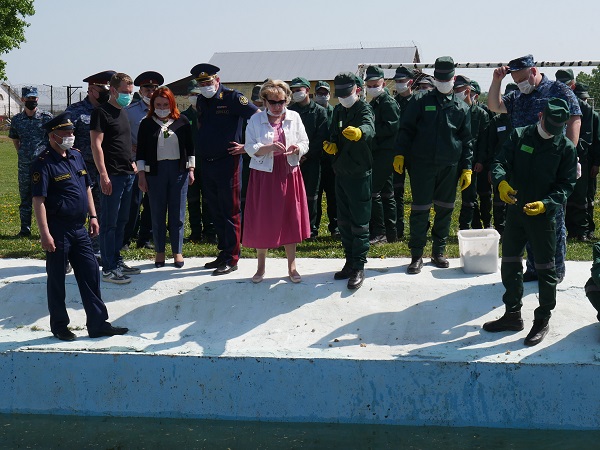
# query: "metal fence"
(54, 99)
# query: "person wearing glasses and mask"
(221, 114)
(276, 205)
(97, 93)
(166, 160)
(351, 132)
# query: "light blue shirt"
(135, 113)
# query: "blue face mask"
(124, 99)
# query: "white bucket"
(479, 250)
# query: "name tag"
(66, 176)
(527, 148)
(431, 108)
(501, 128)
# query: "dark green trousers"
(431, 186)
(354, 211)
(469, 201)
(399, 183)
(576, 218)
(311, 174)
(198, 215)
(383, 208)
(540, 231)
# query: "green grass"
(323, 247)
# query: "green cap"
(403, 73)
(300, 82)
(359, 81)
(324, 85)
(510, 87)
(193, 87)
(443, 68)
(374, 73)
(564, 75)
(581, 90)
(343, 84)
(475, 87)
(461, 81)
(556, 115)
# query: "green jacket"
(354, 158)
(314, 119)
(586, 132)
(594, 153)
(498, 131)
(436, 129)
(387, 121)
(538, 169)
(192, 116)
(329, 110)
(403, 102)
(479, 125)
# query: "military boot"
(510, 321)
(538, 332)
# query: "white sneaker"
(126, 270)
(115, 276)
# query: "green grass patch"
(323, 246)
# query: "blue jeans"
(115, 214)
(167, 192)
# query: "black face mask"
(31, 104)
(103, 96)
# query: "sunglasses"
(276, 102)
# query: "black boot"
(538, 332)
(343, 274)
(510, 321)
(356, 279)
(415, 265)
(440, 261)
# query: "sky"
(71, 39)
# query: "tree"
(593, 81)
(12, 26)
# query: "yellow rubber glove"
(465, 179)
(352, 133)
(507, 193)
(534, 208)
(330, 147)
(399, 163)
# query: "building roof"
(254, 67)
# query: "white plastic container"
(479, 250)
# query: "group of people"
(273, 156)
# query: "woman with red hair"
(165, 160)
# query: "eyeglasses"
(276, 102)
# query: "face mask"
(474, 98)
(67, 142)
(445, 87)
(31, 104)
(124, 99)
(146, 100)
(103, 96)
(193, 100)
(322, 99)
(347, 102)
(374, 92)
(298, 96)
(208, 91)
(462, 95)
(525, 86)
(543, 134)
(401, 87)
(162, 113)
(269, 112)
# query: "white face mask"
(193, 100)
(162, 113)
(543, 134)
(347, 102)
(146, 100)
(401, 87)
(445, 87)
(525, 86)
(462, 95)
(374, 92)
(269, 112)
(67, 142)
(298, 96)
(322, 99)
(208, 91)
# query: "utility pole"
(70, 91)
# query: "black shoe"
(64, 335)
(391, 238)
(159, 264)
(415, 265)
(213, 264)
(440, 261)
(108, 331)
(210, 239)
(179, 264)
(591, 236)
(145, 244)
(356, 279)
(23, 234)
(538, 332)
(378, 239)
(343, 274)
(529, 276)
(510, 321)
(224, 270)
(195, 238)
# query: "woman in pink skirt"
(276, 210)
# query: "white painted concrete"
(402, 349)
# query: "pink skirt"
(276, 211)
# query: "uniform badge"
(243, 100)
(36, 177)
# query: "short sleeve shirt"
(116, 144)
